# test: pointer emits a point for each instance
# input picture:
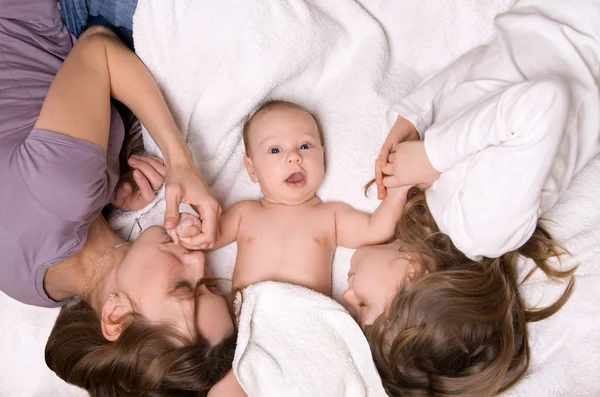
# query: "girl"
(505, 128)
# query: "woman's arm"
(99, 67)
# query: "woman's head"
(443, 324)
(146, 360)
(156, 280)
(164, 333)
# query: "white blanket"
(289, 339)
(338, 71)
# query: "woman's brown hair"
(459, 330)
(146, 360)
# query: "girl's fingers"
(388, 170)
(381, 191)
(378, 173)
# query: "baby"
(290, 235)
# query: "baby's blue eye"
(274, 150)
(304, 146)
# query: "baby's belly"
(308, 266)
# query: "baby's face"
(286, 156)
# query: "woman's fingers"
(172, 200)
(145, 189)
(152, 170)
(197, 242)
(157, 163)
(209, 213)
(174, 235)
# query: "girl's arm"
(415, 113)
(418, 106)
(489, 199)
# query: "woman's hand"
(408, 165)
(402, 131)
(138, 187)
(185, 184)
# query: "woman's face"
(375, 276)
(159, 278)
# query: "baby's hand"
(189, 226)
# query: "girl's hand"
(185, 184)
(189, 226)
(138, 188)
(408, 165)
(402, 131)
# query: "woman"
(505, 129)
(59, 143)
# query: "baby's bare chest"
(288, 229)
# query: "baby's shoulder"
(245, 206)
(336, 206)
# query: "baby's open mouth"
(296, 177)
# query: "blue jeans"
(115, 14)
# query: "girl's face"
(375, 276)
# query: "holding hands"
(403, 160)
(185, 184)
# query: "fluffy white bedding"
(347, 62)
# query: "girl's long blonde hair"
(461, 329)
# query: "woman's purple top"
(51, 186)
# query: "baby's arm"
(229, 223)
(356, 228)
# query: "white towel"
(296, 342)
(565, 348)
(215, 61)
(422, 37)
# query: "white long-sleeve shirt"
(509, 124)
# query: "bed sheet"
(422, 36)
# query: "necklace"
(87, 283)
